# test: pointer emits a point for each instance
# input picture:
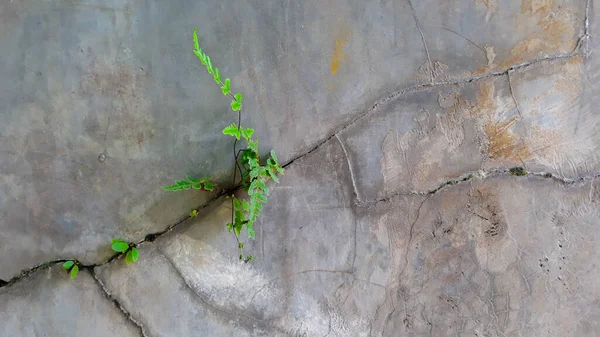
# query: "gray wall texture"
(398, 121)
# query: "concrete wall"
(397, 215)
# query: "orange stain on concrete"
(502, 143)
(338, 53)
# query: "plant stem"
(235, 160)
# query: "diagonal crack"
(27, 272)
(119, 306)
(250, 320)
(578, 51)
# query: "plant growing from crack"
(71, 266)
(247, 160)
(131, 252)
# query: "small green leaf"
(232, 130)
(128, 257)
(209, 64)
(74, 271)
(230, 227)
(249, 258)
(217, 76)
(253, 163)
(247, 133)
(241, 257)
(120, 246)
(199, 55)
(261, 184)
(272, 173)
(208, 186)
(194, 213)
(245, 205)
(253, 145)
(68, 264)
(274, 156)
(261, 197)
(238, 229)
(239, 97)
(135, 254)
(197, 186)
(225, 87)
(240, 245)
(236, 106)
(195, 36)
(236, 203)
(250, 232)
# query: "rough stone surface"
(398, 214)
(48, 303)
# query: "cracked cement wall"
(399, 123)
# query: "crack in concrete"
(148, 238)
(483, 175)
(354, 188)
(27, 272)
(412, 8)
(119, 306)
(524, 65)
(586, 28)
(217, 310)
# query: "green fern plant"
(131, 252)
(247, 160)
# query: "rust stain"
(501, 142)
(338, 52)
(535, 6)
(485, 105)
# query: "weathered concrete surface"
(48, 303)
(470, 38)
(85, 79)
(167, 306)
(505, 256)
(358, 239)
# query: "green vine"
(254, 175)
